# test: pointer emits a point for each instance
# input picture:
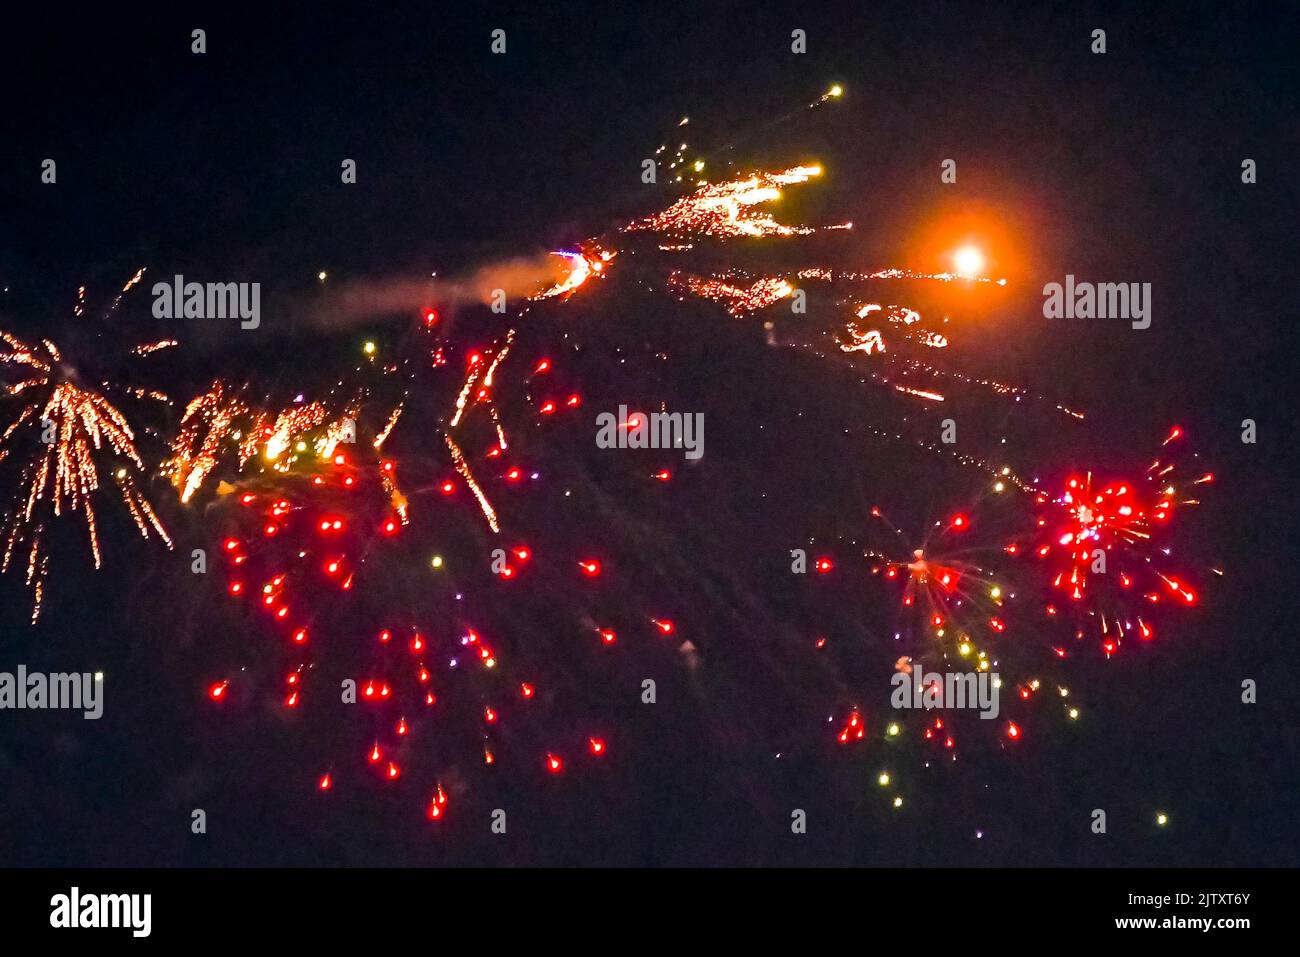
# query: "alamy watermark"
(212, 300)
(1099, 300)
(654, 430)
(21, 690)
(927, 691)
(75, 909)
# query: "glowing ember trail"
(738, 299)
(725, 210)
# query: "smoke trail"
(353, 303)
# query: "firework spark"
(79, 432)
(739, 299)
(726, 210)
(1102, 544)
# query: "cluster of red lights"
(339, 534)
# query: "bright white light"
(969, 261)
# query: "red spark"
(854, 729)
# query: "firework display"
(315, 503)
(470, 490)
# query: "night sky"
(1117, 167)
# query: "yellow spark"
(382, 437)
(458, 460)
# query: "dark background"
(1123, 166)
